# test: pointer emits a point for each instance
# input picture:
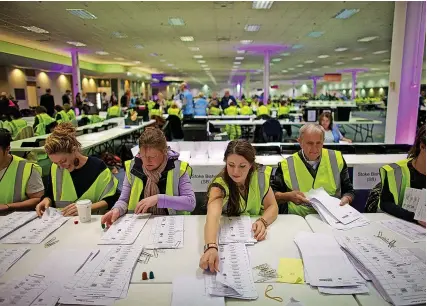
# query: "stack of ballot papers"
(37, 230)
(8, 257)
(234, 278)
(165, 232)
(415, 201)
(339, 217)
(399, 276)
(411, 231)
(125, 230)
(326, 266)
(236, 229)
(15, 220)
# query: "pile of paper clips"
(51, 242)
(266, 272)
(146, 255)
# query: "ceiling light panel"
(118, 34)
(252, 27)
(309, 62)
(340, 49)
(380, 52)
(346, 13)
(262, 5)
(323, 56)
(175, 21)
(239, 58)
(367, 38)
(246, 41)
(300, 66)
(102, 53)
(83, 14)
(187, 38)
(358, 58)
(35, 30)
(201, 61)
(285, 54)
(76, 43)
(339, 63)
(194, 49)
(297, 46)
(315, 34)
(276, 59)
(139, 46)
(198, 56)
(119, 58)
(241, 51)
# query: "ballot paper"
(236, 229)
(412, 198)
(103, 278)
(190, 291)
(361, 289)
(8, 257)
(330, 211)
(412, 232)
(420, 212)
(37, 230)
(325, 263)
(14, 221)
(125, 230)
(166, 232)
(23, 291)
(235, 277)
(398, 281)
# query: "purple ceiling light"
(353, 72)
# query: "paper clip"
(276, 298)
(51, 242)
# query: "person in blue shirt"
(200, 105)
(187, 100)
(225, 101)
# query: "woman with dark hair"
(332, 133)
(241, 188)
(396, 177)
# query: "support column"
(407, 50)
(266, 76)
(247, 85)
(75, 70)
(293, 90)
(353, 84)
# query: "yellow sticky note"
(290, 271)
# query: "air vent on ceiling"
(223, 4)
(223, 38)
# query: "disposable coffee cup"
(84, 209)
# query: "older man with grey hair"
(310, 168)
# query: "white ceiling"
(217, 28)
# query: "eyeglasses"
(149, 157)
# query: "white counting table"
(179, 262)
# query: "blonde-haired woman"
(156, 181)
(74, 176)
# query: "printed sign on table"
(366, 176)
(202, 176)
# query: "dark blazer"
(48, 102)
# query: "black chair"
(272, 131)
(175, 127)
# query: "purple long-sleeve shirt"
(185, 201)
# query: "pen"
(84, 262)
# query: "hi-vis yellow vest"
(16, 125)
(263, 110)
(214, 111)
(64, 117)
(174, 111)
(44, 121)
(258, 188)
(231, 111)
(113, 111)
(246, 110)
(297, 177)
(71, 115)
(398, 179)
(13, 185)
(172, 184)
(64, 192)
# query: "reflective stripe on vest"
(13, 185)
(172, 183)
(258, 188)
(297, 177)
(64, 192)
(398, 179)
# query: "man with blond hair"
(310, 168)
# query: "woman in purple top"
(156, 181)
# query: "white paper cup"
(84, 209)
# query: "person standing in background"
(113, 98)
(124, 100)
(187, 100)
(48, 102)
(66, 97)
(161, 101)
(225, 101)
(200, 105)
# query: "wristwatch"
(210, 246)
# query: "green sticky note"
(291, 270)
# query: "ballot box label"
(203, 176)
(366, 176)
